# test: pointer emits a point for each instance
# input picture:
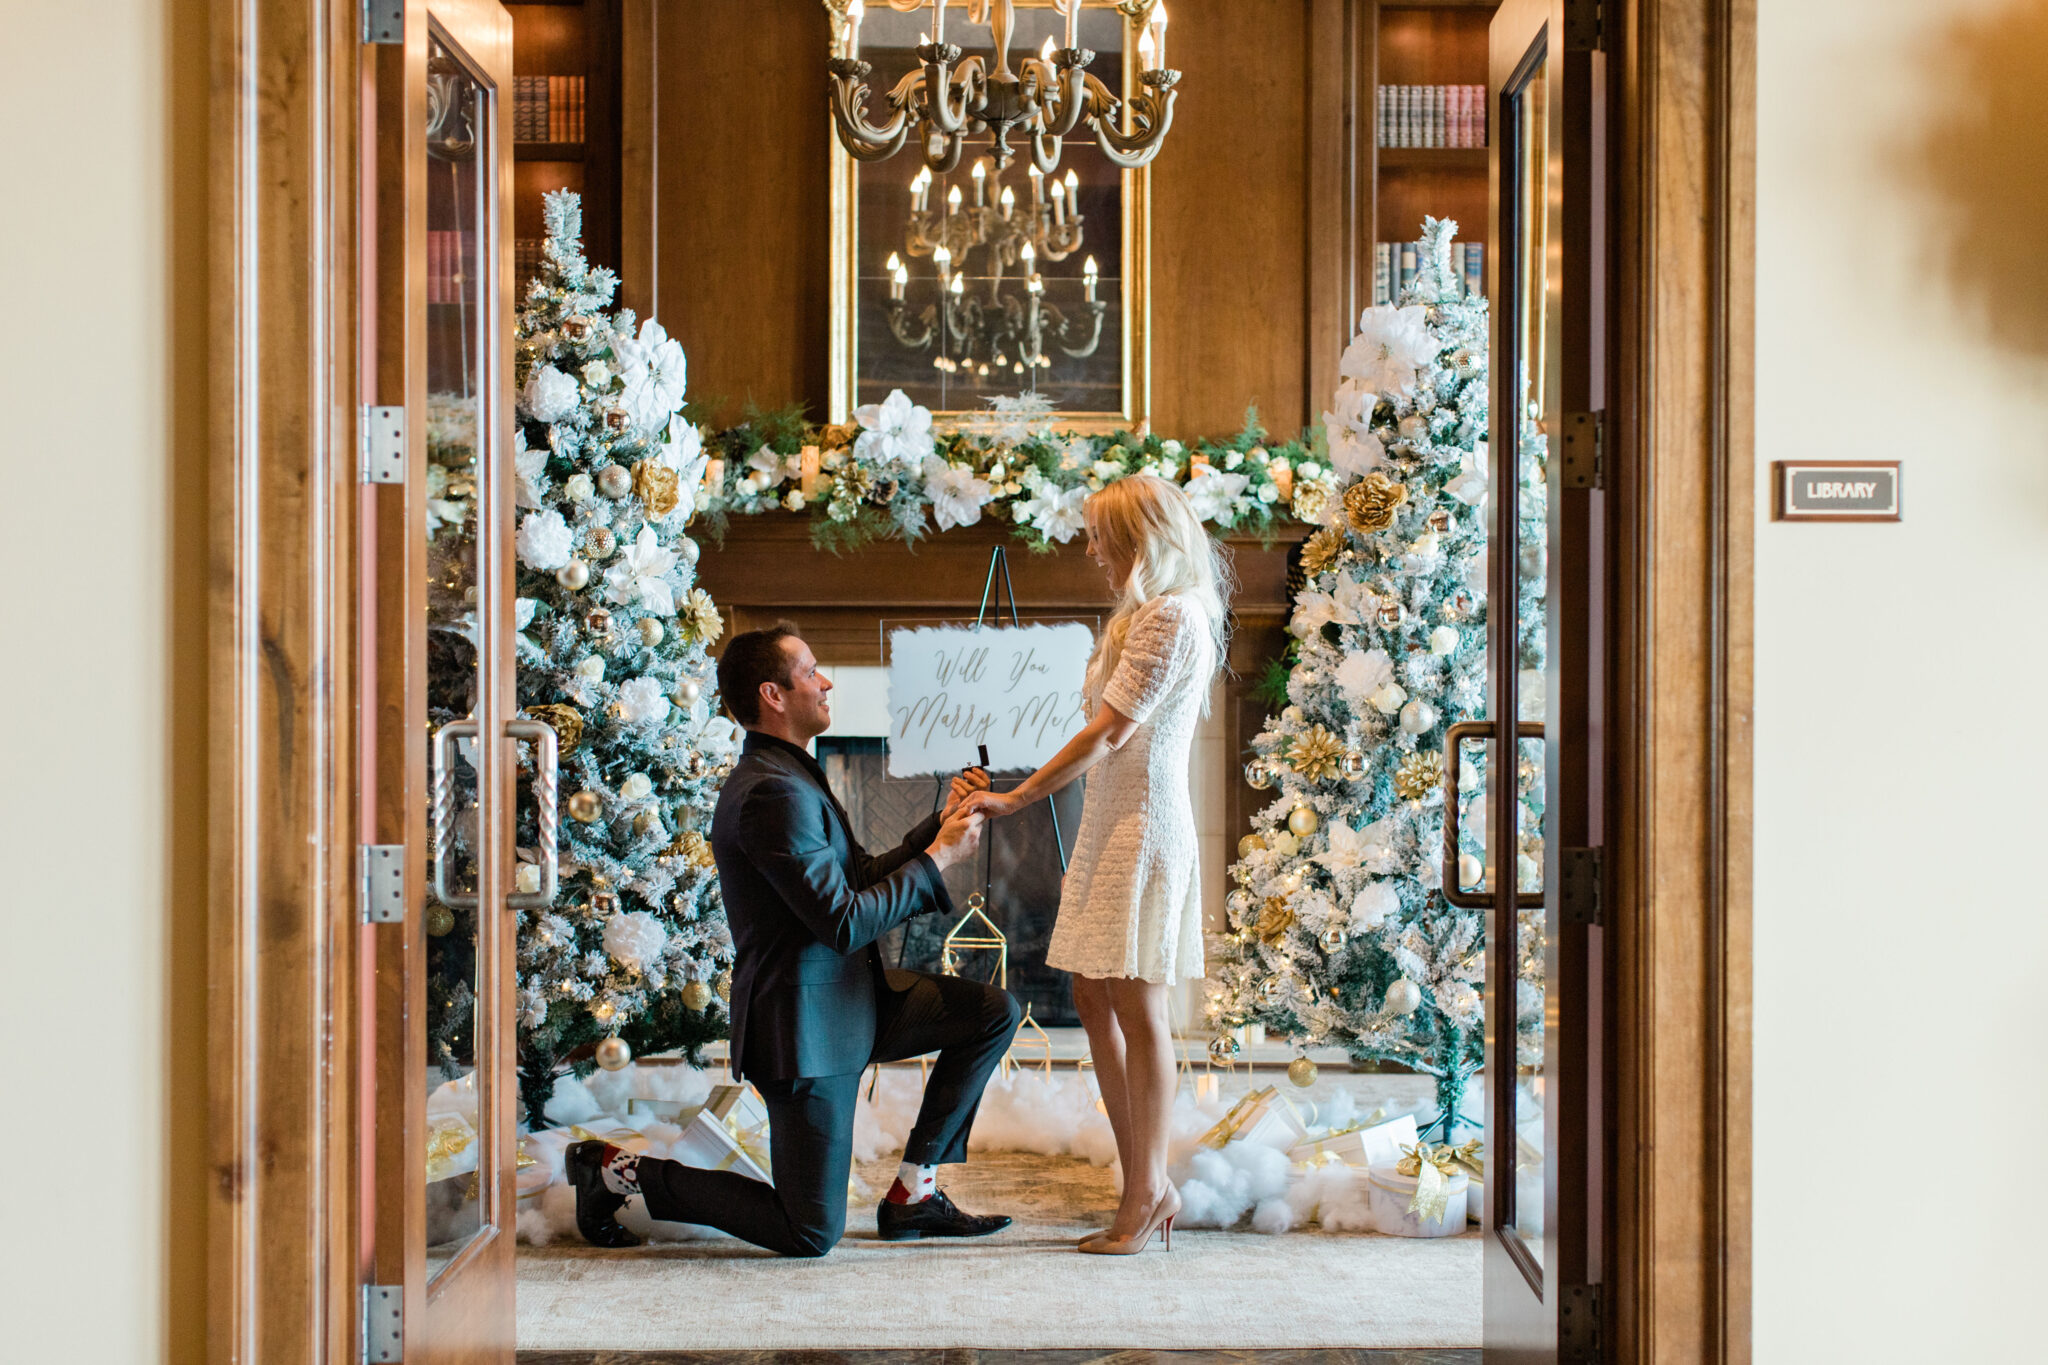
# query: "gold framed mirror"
(979, 283)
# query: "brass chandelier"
(950, 96)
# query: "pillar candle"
(807, 480)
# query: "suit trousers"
(810, 1120)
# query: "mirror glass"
(456, 358)
(986, 281)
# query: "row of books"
(547, 108)
(525, 262)
(1432, 115)
(450, 265)
(1394, 265)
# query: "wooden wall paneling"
(1332, 225)
(742, 206)
(282, 1241)
(603, 102)
(1680, 931)
(639, 158)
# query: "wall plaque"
(1836, 490)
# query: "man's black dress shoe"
(583, 1165)
(933, 1217)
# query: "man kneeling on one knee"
(812, 1005)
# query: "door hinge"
(1584, 26)
(383, 21)
(1585, 450)
(383, 1324)
(381, 885)
(1578, 1325)
(380, 444)
(1579, 881)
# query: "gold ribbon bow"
(1471, 1156)
(1241, 1116)
(1432, 1165)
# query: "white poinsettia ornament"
(894, 431)
(544, 540)
(656, 374)
(641, 575)
(1215, 494)
(1391, 345)
(549, 395)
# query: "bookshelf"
(566, 121)
(1429, 155)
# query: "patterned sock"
(621, 1171)
(914, 1183)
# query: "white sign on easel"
(1015, 688)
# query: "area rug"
(1023, 1289)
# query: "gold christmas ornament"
(1369, 504)
(1250, 844)
(440, 920)
(722, 985)
(563, 720)
(1320, 550)
(1257, 775)
(573, 575)
(700, 619)
(657, 486)
(613, 1054)
(1390, 614)
(1223, 1047)
(1351, 767)
(1421, 773)
(584, 806)
(1440, 522)
(650, 631)
(696, 996)
(614, 481)
(693, 848)
(1301, 821)
(597, 622)
(599, 542)
(1331, 940)
(1269, 991)
(1275, 919)
(1302, 1072)
(604, 902)
(1315, 755)
(646, 822)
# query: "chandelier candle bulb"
(854, 13)
(1073, 23)
(1009, 202)
(980, 184)
(1146, 50)
(1074, 190)
(1159, 28)
(1089, 275)
(939, 21)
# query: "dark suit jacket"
(806, 904)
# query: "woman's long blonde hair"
(1150, 522)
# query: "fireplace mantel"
(767, 570)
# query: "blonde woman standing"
(1130, 918)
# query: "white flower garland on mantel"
(890, 473)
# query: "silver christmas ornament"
(1404, 996)
(1331, 940)
(1223, 1047)
(615, 481)
(1417, 717)
(1258, 776)
(689, 551)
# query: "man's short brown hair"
(751, 658)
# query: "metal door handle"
(1453, 892)
(546, 790)
(444, 811)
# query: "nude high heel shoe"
(1161, 1221)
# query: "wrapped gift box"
(1262, 1116)
(709, 1145)
(1388, 1195)
(1363, 1146)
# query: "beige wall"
(102, 1243)
(1901, 921)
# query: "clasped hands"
(960, 822)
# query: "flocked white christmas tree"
(1341, 933)
(612, 654)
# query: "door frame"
(283, 1017)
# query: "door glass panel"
(1528, 162)
(456, 1156)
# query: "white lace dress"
(1131, 905)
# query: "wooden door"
(1548, 650)
(439, 757)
